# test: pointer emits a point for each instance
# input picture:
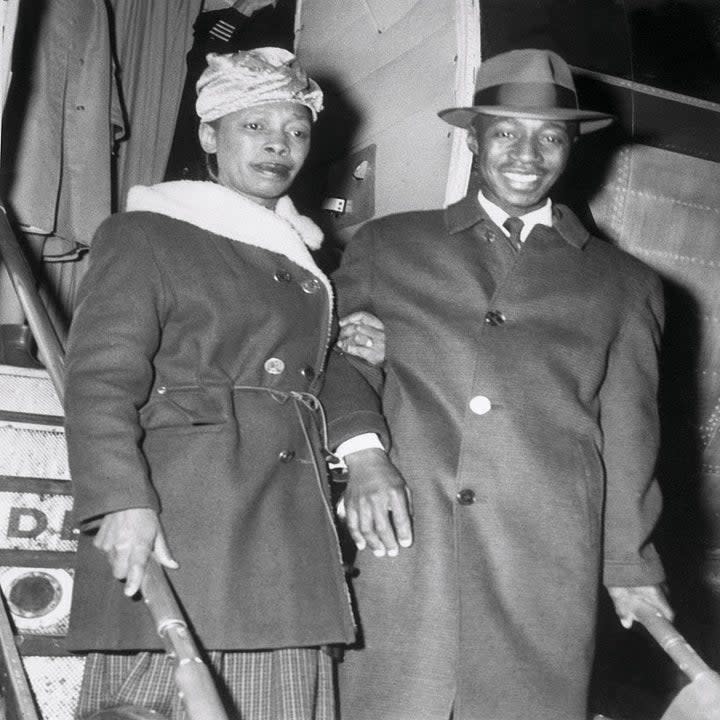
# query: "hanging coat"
(66, 115)
(194, 355)
(520, 395)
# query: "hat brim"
(589, 120)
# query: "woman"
(194, 431)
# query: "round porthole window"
(39, 599)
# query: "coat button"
(282, 276)
(286, 456)
(311, 285)
(274, 366)
(494, 318)
(480, 405)
(308, 373)
(466, 496)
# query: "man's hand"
(627, 598)
(377, 507)
(363, 335)
(128, 537)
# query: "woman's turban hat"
(254, 77)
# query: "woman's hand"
(128, 537)
(363, 335)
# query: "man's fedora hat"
(529, 84)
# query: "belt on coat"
(301, 399)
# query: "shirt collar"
(540, 216)
(467, 212)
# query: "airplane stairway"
(37, 541)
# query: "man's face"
(519, 159)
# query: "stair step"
(55, 682)
(26, 390)
(30, 450)
(37, 542)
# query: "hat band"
(540, 96)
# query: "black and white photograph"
(360, 360)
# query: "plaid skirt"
(287, 684)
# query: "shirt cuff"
(359, 442)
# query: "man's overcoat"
(520, 394)
(195, 351)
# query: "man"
(520, 388)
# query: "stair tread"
(27, 390)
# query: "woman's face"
(259, 149)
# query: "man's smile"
(523, 177)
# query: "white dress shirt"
(541, 216)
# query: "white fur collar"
(225, 212)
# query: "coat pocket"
(187, 407)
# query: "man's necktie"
(514, 226)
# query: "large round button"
(466, 496)
(310, 286)
(274, 366)
(480, 405)
(494, 318)
(282, 276)
(308, 373)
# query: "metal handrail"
(15, 693)
(192, 676)
(23, 281)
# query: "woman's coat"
(520, 395)
(196, 349)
